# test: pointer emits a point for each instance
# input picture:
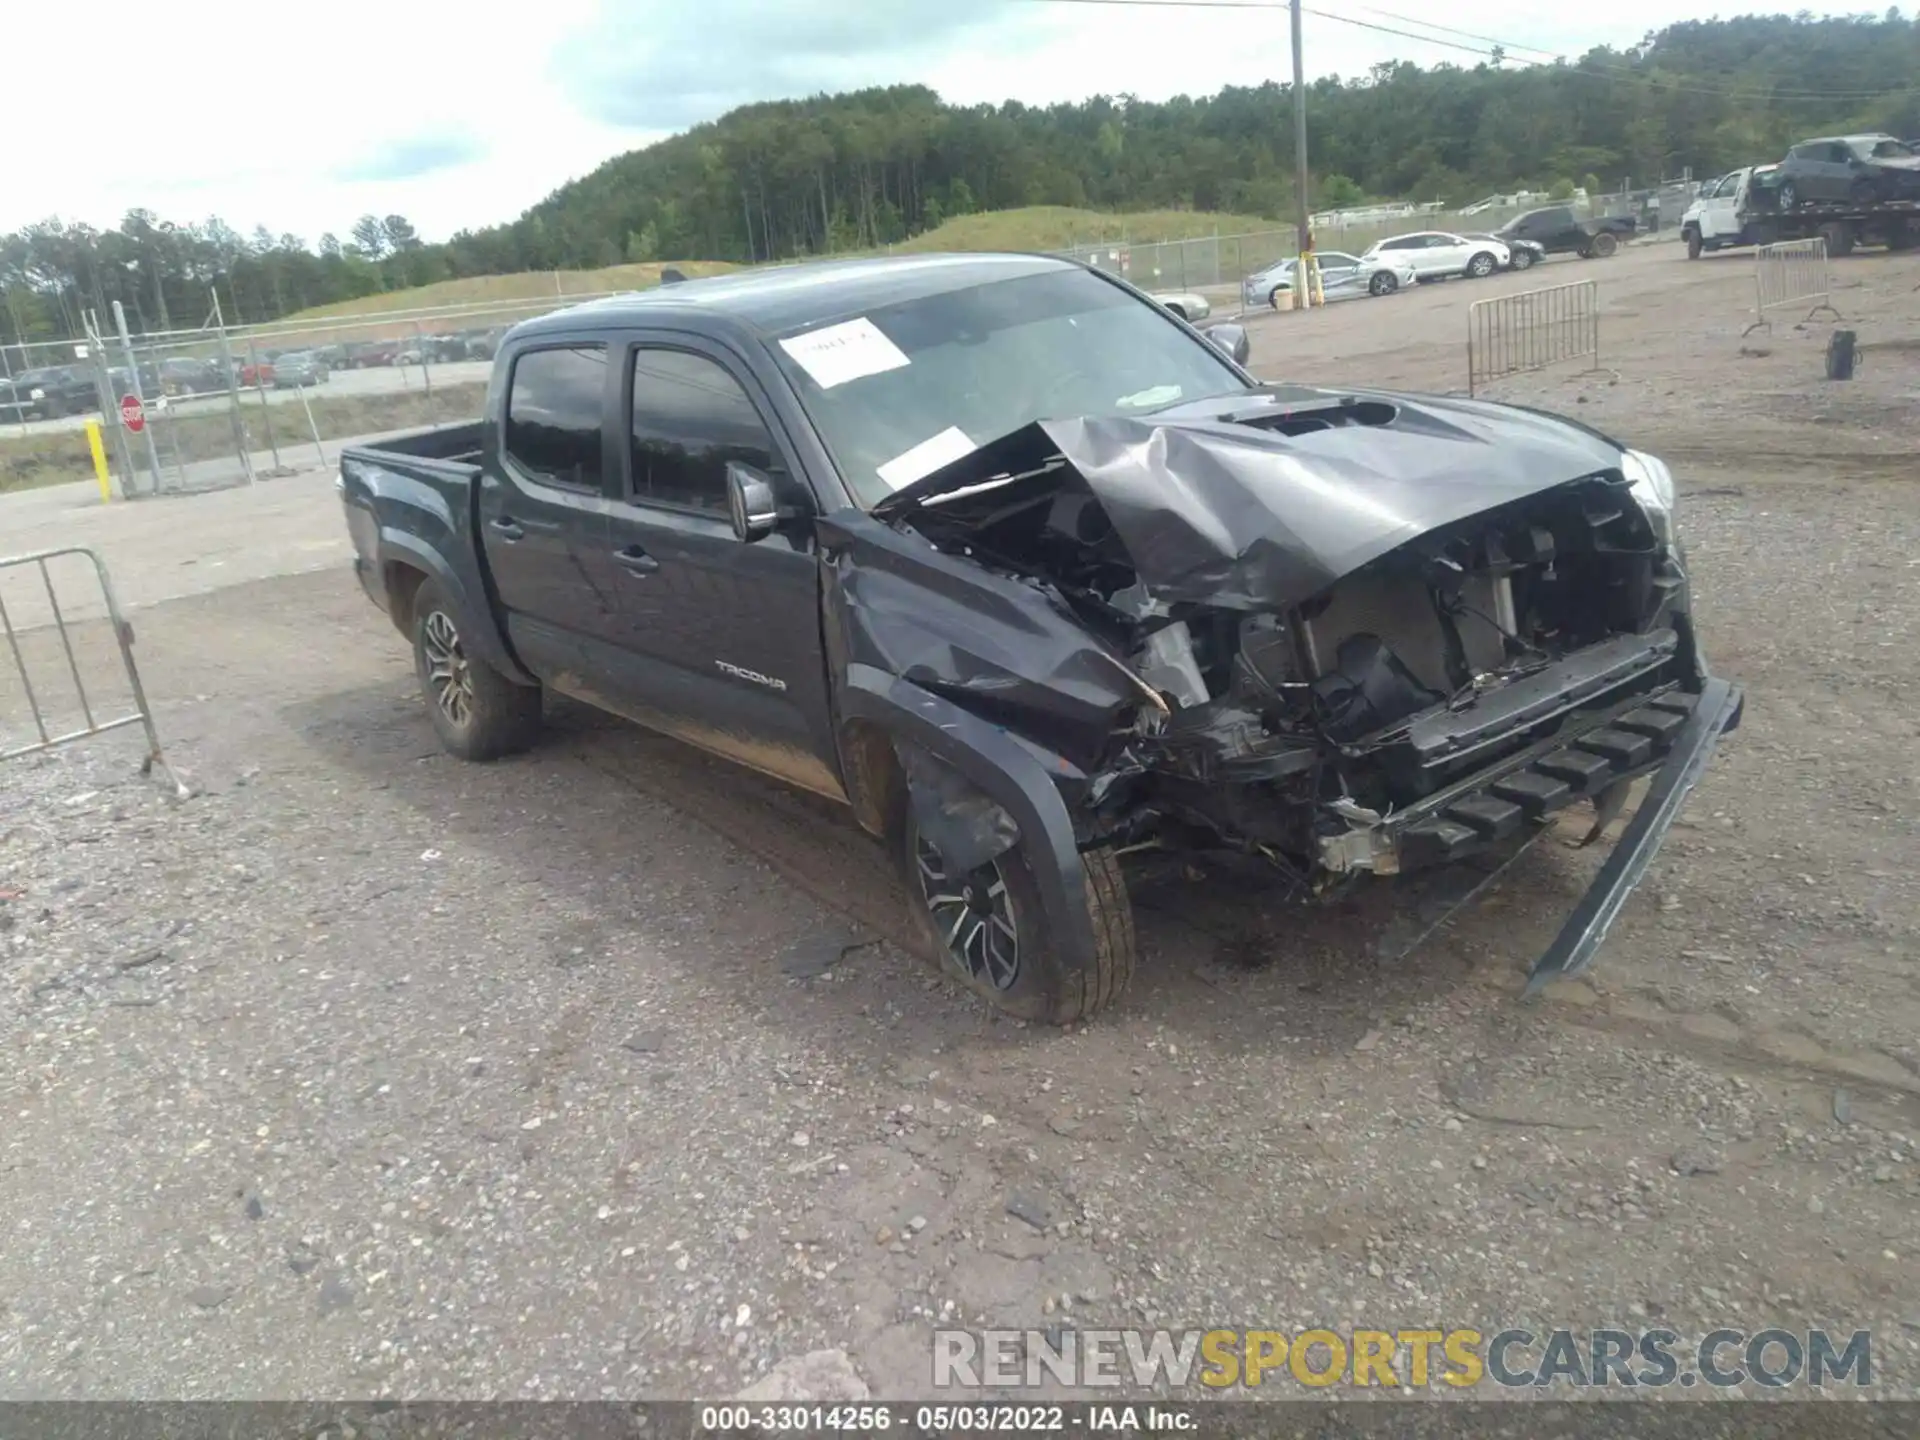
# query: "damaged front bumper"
(1666, 733)
(1716, 711)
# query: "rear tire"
(478, 713)
(1018, 973)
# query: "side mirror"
(1230, 340)
(750, 503)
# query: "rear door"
(543, 508)
(1408, 250)
(1822, 171)
(719, 640)
(1441, 254)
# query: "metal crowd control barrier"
(1790, 272)
(1518, 334)
(142, 713)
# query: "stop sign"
(133, 414)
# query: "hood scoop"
(1288, 490)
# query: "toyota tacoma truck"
(1030, 574)
(1556, 230)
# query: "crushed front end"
(1358, 678)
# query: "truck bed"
(442, 447)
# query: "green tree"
(369, 237)
(1337, 192)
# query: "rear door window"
(554, 411)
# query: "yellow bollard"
(100, 472)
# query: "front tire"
(1481, 265)
(1523, 259)
(988, 931)
(478, 713)
(1604, 244)
(1385, 283)
(1789, 195)
(1694, 245)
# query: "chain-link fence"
(1221, 262)
(220, 406)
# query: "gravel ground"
(602, 1072)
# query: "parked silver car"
(1342, 277)
(1188, 306)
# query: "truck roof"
(780, 297)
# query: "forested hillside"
(854, 171)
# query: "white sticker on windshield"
(839, 353)
(926, 457)
(1158, 395)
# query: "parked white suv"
(1439, 254)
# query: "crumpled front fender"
(1012, 773)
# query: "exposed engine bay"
(1429, 701)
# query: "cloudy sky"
(302, 117)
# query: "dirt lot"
(601, 1072)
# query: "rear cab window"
(555, 401)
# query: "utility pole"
(1303, 289)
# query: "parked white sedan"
(1342, 277)
(1441, 254)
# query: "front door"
(1339, 275)
(543, 509)
(1720, 210)
(720, 640)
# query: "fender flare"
(479, 631)
(1008, 772)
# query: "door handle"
(509, 529)
(636, 561)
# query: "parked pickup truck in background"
(50, 392)
(1030, 576)
(1558, 231)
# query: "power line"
(1502, 50)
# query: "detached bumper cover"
(1717, 711)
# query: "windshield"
(913, 386)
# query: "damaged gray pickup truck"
(1032, 575)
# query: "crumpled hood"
(1213, 509)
